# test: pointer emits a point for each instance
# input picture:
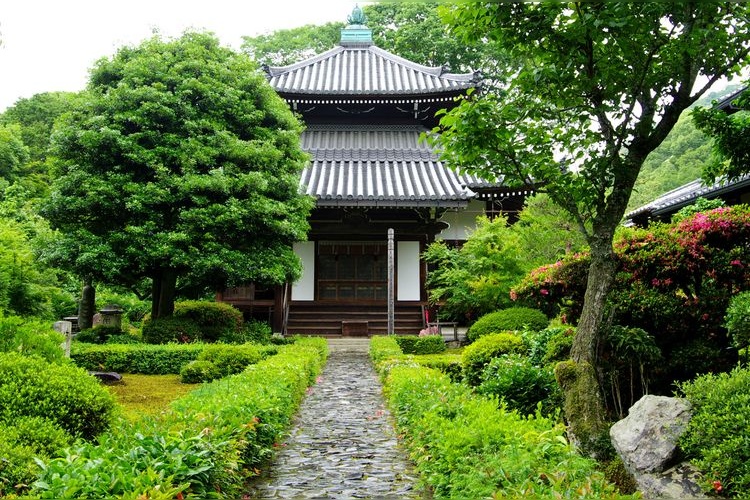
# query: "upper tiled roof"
(365, 70)
(378, 166)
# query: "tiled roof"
(379, 166)
(687, 194)
(365, 70)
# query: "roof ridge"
(277, 70)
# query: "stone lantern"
(111, 316)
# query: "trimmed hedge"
(465, 447)
(135, 358)
(449, 364)
(513, 318)
(206, 446)
(215, 320)
(170, 329)
(220, 360)
(478, 355)
(62, 393)
(411, 344)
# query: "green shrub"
(514, 318)
(214, 319)
(205, 446)
(411, 344)
(449, 364)
(136, 358)
(521, 385)
(559, 345)
(65, 394)
(717, 436)
(479, 354)
(123, 338)
(218, 361)
(171, 329)
(98, 334)
(465, 447)
(737, 320)
(538, 342)
(198, 371)
(23, 441)
(29, 336)
(258, 332)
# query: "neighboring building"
(732, 192)
(365, 111)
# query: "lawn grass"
(141, 395)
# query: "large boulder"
(647, 438)
(646, 441)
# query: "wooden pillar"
(391, 276)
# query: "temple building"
(365, 110)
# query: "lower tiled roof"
(379, 166)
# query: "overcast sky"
(49, 45)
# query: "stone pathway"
(342, 444)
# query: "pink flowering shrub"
(673, 280)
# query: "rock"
(107, 377)
(679, 482)
(646, 439)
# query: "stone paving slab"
(342, 444)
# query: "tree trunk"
(87, 306)
(584, 401)
(163, 286)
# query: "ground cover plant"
(139, 395)
(466, 447)
(205, 446)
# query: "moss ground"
(148, 394)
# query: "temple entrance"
(352, 271)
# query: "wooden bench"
(355, 328)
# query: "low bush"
(465, 447)
(214, 319)
(717, 436)
(28, 336)
(449, 364)
(521, 385)
(559, 345)
(98, 334)
(429, 344)
(171, 329)
(220, 360)
(478, 355)
(737, 320)
(514, 318)
(538, 342)
(23, 441)
(383, 348)
(62, 393)
(136, 358)
(257, 332)
(206, 446)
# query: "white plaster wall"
(461, 222)
(304, 288)
(407, 264)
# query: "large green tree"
(182, 163)
(412, 30)
(591, 89)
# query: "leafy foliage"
(171, 329)
(464, 446)
(62, 393)
(717, 435)
(521, 385)
(215, 320)
(738, 320)
(30, 337)
(216, 361)
(206, 446)
(700, 205)
(478, 355)
(513, 318)
(137, 358)
(430, 344)
(183, 163)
